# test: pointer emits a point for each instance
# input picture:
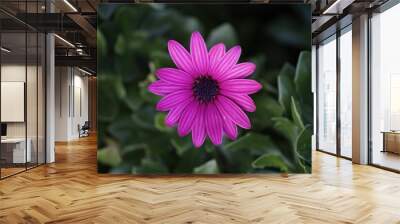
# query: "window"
(385, 89)
(346, 92)
(327, 95)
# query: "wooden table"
(391, 141)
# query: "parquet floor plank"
(71, 191)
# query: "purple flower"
(207, 93)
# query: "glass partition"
(31, 99)
(327, 95)
(385, 89)
(22, 101)
(14, 145)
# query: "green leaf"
(254, 142)
(287, 128)
(128, 18)
(268, 105)
(260, 60)
(132, 98)
(302, 78)
(286, 87)
(145, 94)
(224, 33)
(161, 59)
(101, 43)
(181, 144)
(119, 88)
(150, 166)
(145, 118)
(270, 88)
(304, 144)
(122, 129)
(191, 24)
(120, 45)
(287, 70)
(190, 159)
(234, 161)
(210, 167)
(269, 160)
(296, 113)
(240, 154)
(110, 154)
(267, 108)
(159, 122)
(108, 106)
(134, 153)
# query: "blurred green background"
(132, 44)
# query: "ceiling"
(330, 15)
(75, 22)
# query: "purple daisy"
(207, 93)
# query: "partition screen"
(327, 93)
(182, 91)
(385, 89)
(22, 106)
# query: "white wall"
(33, 126)
(17, 73)
(71, 102)
(62, 81)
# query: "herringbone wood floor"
(70, 191)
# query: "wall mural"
(187, 92)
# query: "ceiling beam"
(86, 27)
(79, 61)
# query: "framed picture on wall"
(187, 92)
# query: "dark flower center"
(205, 89)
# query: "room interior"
(334, 73)
(22, 101)
(71, 100)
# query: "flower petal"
(228, 60)
(171, 100)
(181, 57)
(163, 88)
(199, 53)
(239, 71)
(214, 124)
(215, 56)
(242, 99)
(230, 128)
(247, 86)
(199, 128)
(175, 113)
(229, 109)
(186, 120)
(173, 75)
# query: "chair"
(84, 130)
